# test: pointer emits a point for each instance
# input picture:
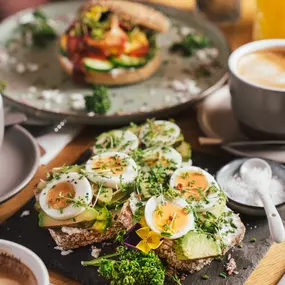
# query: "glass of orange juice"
(269, 20)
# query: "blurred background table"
(272, 267)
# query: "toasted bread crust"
(167, 252)
(86, 237)
(136, 13)
(122, 77)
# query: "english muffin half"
(112, 43)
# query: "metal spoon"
(276, 226)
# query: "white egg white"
(165, 134)
(116, 140)
(152, 205)
(169, 153)
(82, 189)
(212, 198)
(105, 176)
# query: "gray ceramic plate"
(229, 170)
(152, 98)
(19, 161)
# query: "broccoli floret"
(132, 268)
(99, 102)
(190, 44)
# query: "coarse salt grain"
(240, 191)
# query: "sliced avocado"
(102, 213)
(119, 196)
(185, 150)
(66, 169)
(197, 245)
(144, 190)
(105, 196)
(179, 140)
(84, 220)
(37, 206)
(101, 226)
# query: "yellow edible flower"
(150, 240)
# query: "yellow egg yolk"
(58, 197)
(157, 159)
(192, 184)
(170, 218)
(110, 165)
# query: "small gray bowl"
(230, 169)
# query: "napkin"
(52, 143)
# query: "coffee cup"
(1, 121)
(257, 87)
(19, 265)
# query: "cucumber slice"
(128, 61)
(98, 64)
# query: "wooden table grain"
(272, 266)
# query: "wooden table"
(272, 267)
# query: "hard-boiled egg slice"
(197, 186)
(57, 196)
(116, 140)
(165, 156)
(159, 133)
(111, 169)
(169, 218)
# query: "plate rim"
(33, 169)
(117, 119)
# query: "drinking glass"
(269, 20)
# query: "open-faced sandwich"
(112, 43)
(140, 179)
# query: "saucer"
(19, 161)
(216, 118)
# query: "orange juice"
(270, 20)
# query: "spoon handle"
(276, 226)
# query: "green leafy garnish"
(132, 267)
(205, 277)
(99, 102)
(223, 275)
(190, 43)
(39, 29)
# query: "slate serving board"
(25, 231)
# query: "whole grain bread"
(115, 77)
(136, 13)
(69, 238)
(167, 251)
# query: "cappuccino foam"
(264, 67)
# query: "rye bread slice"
(69, 238)
(167, 251)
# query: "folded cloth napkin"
(53, 142)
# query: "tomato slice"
(141, 51)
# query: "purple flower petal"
(131, 239)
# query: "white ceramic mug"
(1, 120)
(260, 110)
(27, 257)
